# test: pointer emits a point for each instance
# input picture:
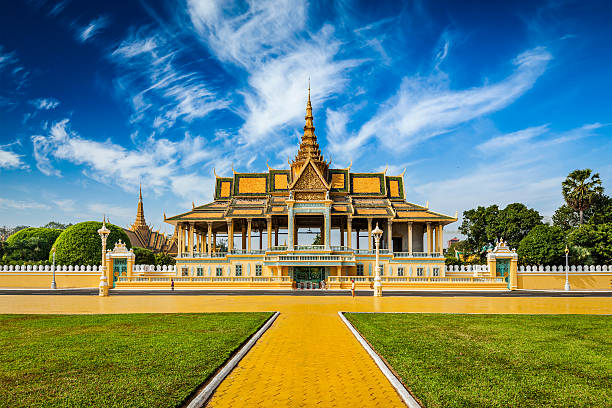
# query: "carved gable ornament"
(310, 179)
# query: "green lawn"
(454, 360)
(129, 360)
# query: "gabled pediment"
(310, 179)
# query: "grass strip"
(125, 360)
(456, 360)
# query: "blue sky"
(480, 102)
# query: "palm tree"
(580, 189)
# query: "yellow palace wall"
(43, 280)
(582, 281)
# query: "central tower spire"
(309, 146)
(140, 218)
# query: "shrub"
(144, 256)
(30, 244)
(164, 259)
(544, 245)
(80, 244)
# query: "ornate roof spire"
(140, 218)
(309, 146)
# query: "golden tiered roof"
(360, 195)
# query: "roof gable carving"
(309, 178)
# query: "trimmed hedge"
(30, 244)
(80, 244)
(144, 256)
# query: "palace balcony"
(302, 250)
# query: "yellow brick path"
(308, 357)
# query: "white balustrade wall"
(49, 268)
(154, 269)
(561, 269)
(467, 268)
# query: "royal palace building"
(259, 228)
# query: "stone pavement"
(308, 357)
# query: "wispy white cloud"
(10, 204)
(87, 32)
(160, 91)
(512, 139)
(111, 211)
(521, 172)
(67, 205)
(425, 107)
(13, 76)
(10, 159)
(158, 164)
(530, 138)
(262, 31)
(278, 88)
(270, 41)
(45, 103)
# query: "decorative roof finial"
(140, 191)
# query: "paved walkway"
(308, 357)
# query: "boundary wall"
(540, 277)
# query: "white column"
(390, 235)
(290, 228)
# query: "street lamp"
(104, 233)
(53, 284)
(377, 283)
(567, 285)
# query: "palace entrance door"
(308, 277)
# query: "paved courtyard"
(308, 357)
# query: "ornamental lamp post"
(104, 233)
(53, 284)
(377, 283)
(567, 285)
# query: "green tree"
(143, 256)
(600, 212)
(592, 244)
(565, 218)
(484, 225)
(317, 240)
(30, 244)
(580, 189)
(476, 227)
(164, 259)
(80, 244)
(6, 232)
(56, 225)
(513, 223)
(544, 245)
